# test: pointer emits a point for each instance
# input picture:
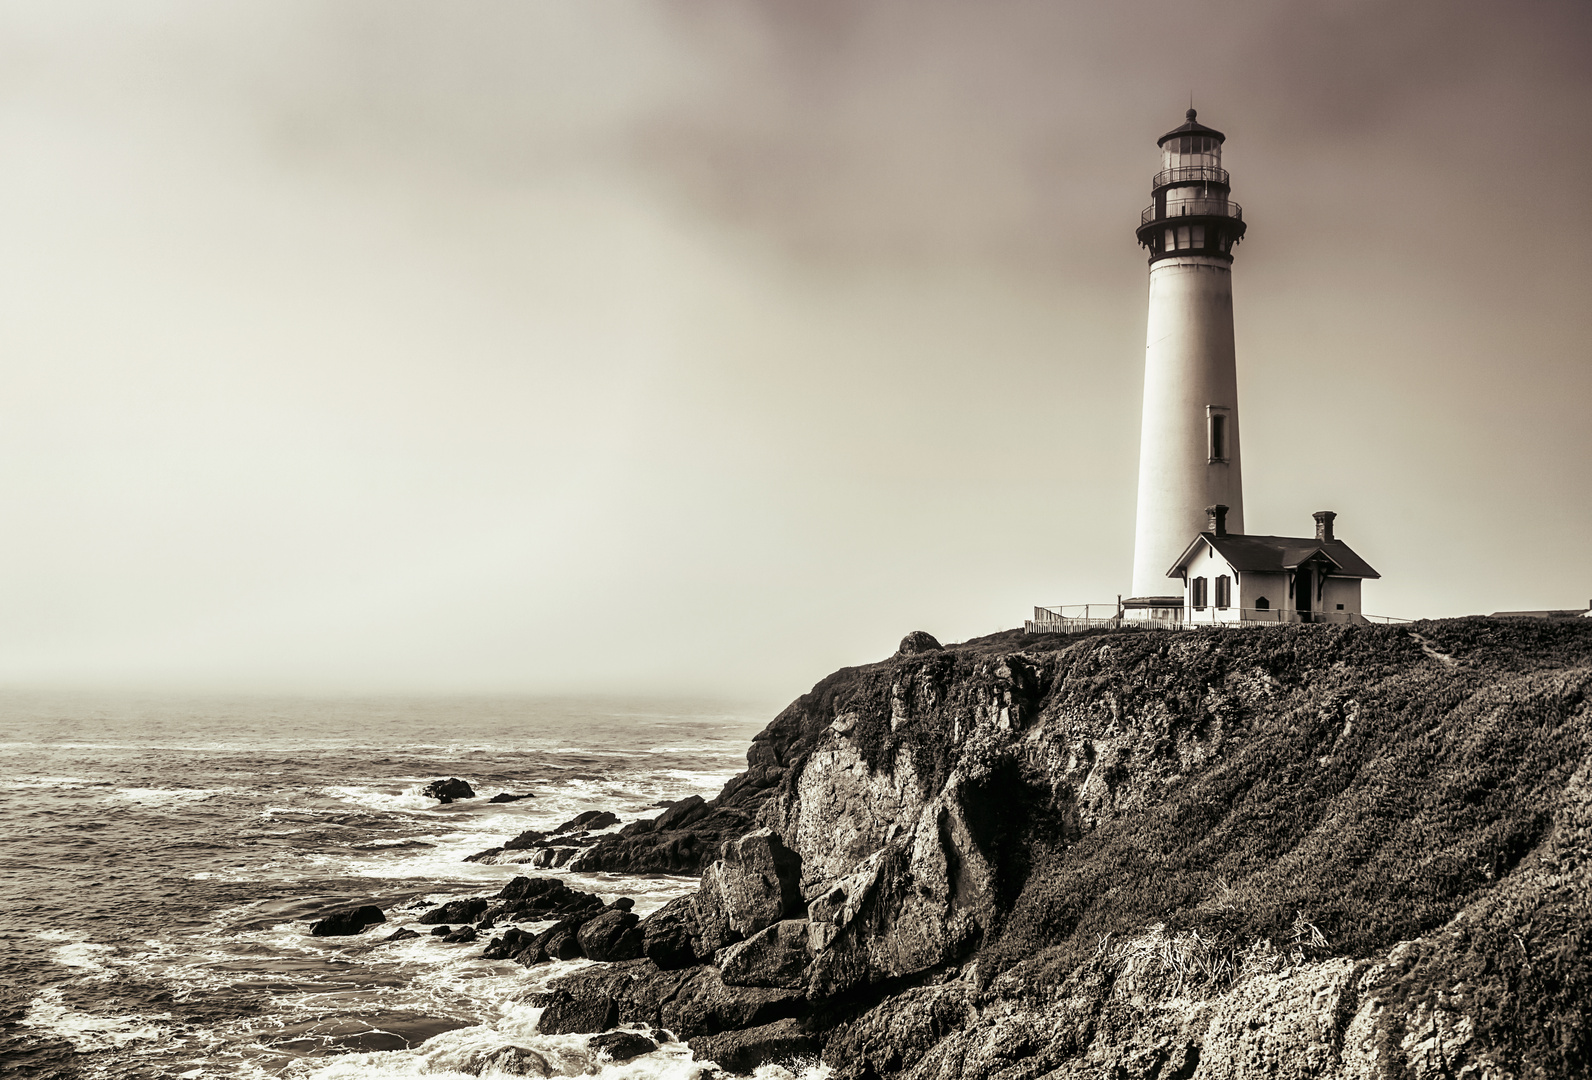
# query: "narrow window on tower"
(1170, 243)
(1224, 591)
(1182, 236)
(1216, 418)
(1199, 236)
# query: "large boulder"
(693, 1001)
(346, 923)
(613, 935)
(919, 641)
(448, 790)
(506, 797)
(588, 822)
(577, 1015)
(681, 814)
(776, 956)
(755, 883)
(461, 911)
(621, 1046)
(510, 1061)
(743, 1051)
(670, 937)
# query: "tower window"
(1218, 435)
(1182, 236)
(1262, 604)
(1197, 593)
(1170, 242)
(1199, 236)
(1224, 591)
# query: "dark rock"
(613, 935)
(670, 937)
(461, 935)
(563, 945)
(681, 814)
(590, 821)
(505, 797)
(743, 1051)
(448, 790)
(693, 1001)
(916, 642)
(509, 1061)
(777, 956)
(508, 944)
(755, 883)
(894, 1036)
(489, 856)
(403, 933)
(621, 1045)
(624, 903)
(345, 923)
(527, 839)
(442, 931)
(570, 1015)
(456, 911)
(543, 897)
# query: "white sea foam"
(33, 783)
(85, 1031)
(158, 797)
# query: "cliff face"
(1298, 851)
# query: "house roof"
(1277, 554)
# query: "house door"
(1302, 589)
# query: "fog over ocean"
(161, 861)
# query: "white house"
(1229, 577)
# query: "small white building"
(1231, 577)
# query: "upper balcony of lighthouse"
(1191, 212)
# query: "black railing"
(1190, 174)
(1195, 208)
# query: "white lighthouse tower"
(1189, 445)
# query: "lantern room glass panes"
(1186, 150)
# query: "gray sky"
(614, 347)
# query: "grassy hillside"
(1363, 786)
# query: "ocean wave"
(51, 783)
(160, 797)
(86, 1032)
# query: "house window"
(1197, 593)
(1218, 435)
(1262, 604)
(1224, 591)
(1340, 607)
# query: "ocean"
(161, 862)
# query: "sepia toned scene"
(796, 539)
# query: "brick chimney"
(1323, 524)
(1218, 515)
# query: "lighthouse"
(1189, 445)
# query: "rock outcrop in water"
(448, 790)
(348, 923)
(1297, 851)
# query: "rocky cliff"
(1299, 851)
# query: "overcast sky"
(628, 347)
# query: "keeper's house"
(1229, 577)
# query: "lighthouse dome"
(1192, 127)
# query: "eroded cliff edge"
(1297, 851)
